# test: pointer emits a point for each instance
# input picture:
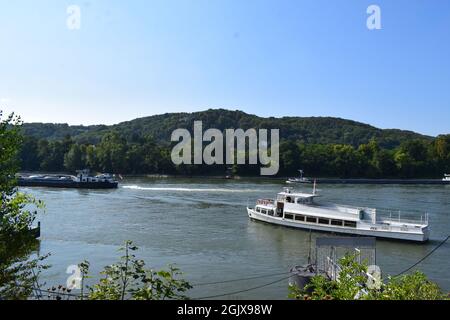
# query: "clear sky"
(271, 58)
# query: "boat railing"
(386, 215)
(265, 202)
(341, 207)
(348, 206)
(398, 217)
(332, 269)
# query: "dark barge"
(83, 180)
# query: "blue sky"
(271, 58)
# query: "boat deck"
(331, 212)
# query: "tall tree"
(74, 159)
(18, 273)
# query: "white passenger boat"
(446, 177)
(300, 179)
(300, 210)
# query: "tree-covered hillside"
(311, 130)
(321, 146)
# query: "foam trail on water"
(185, 200)
(192, 189)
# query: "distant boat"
(300, 210)
(446, 177)
(229, 173)
(83, 180)
(300, 179)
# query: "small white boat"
(446, 177)
(300, 179)
(300, 210)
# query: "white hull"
(399, 235)
(293, 181)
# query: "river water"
(201, 225)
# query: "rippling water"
(201, 226)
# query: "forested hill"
(321, 146)
(309, 130)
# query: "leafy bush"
(18, 273)
(129, 279)
(352, 285)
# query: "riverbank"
(321, 180)
(384, 181)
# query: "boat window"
(311, 219)
(336, 223)
(270, 212)
(289, 216)
(324, 221)
(263, 211)
(258, 209)
(351, 224)
(289, 200)
(299, 217)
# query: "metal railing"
(264, 202)
(397, 216)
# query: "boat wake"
(190, 201)
(210, 190)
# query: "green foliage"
(10, 139)
(352, 284)
(346, 287)
(18, 273)
(414, 286)
(351, 276)
(309, 130)
(320, 146)
(129, 279)
(74, 159)
(320, 288)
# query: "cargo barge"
(83, 180)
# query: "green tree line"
(115, 153)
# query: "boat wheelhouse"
(300, 210)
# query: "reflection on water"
(202, 226)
